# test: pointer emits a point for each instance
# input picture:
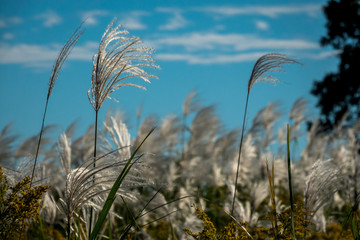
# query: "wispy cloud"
(216, 48)
(222, 58)
(269, 11)
(8, 36)
(31, 55)
(132, 20)
(229, 42)
(176, 21)
(50, 18)
(84, 52)
(210, 58)
(25, 53)
(261, 25)
(319, 55)
(91, 16)
(193, 48)
(6, 22)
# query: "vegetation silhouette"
(338, 93)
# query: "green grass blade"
(42, 229)
(112, 194)
(290, 185)
(79, 231)
(129, 211)
(353, 222)
(354, 226)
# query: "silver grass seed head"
(271, 62)
(119, 58)
(119, 136)
(191, 103)
(323, 181)
(48, 210)
(64, 146)
(64, 53)
(297, 112)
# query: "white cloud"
(176, 22)
(91, 16)
(2, 24)
(229, 42)
(261, 25)
(42, 55)
(132, 20)
(50, 18)
(8, 36)
(25, 53)
(222, 58)
(84, 52)
(216, 48)
(219, 27)
(10, 21)
(15, 20)
(269, 11)
(210, 58)
(319, 55)
(194, 48)
(169, 9)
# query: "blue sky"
(210, 46)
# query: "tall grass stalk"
(271, 62)
(119, 57)
(64, 53)
(290, 185)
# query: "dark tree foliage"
(339, 93)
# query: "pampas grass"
(271, 62)
(206, 173)
(64, 53)
(102, 187)
(119, 58)
(6, 146)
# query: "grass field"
(182, 177)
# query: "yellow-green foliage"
(209, 230)
(160, 231)
(19, 205)
(301, 223)
(38, 232)
(334, 231)
(232, 231)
